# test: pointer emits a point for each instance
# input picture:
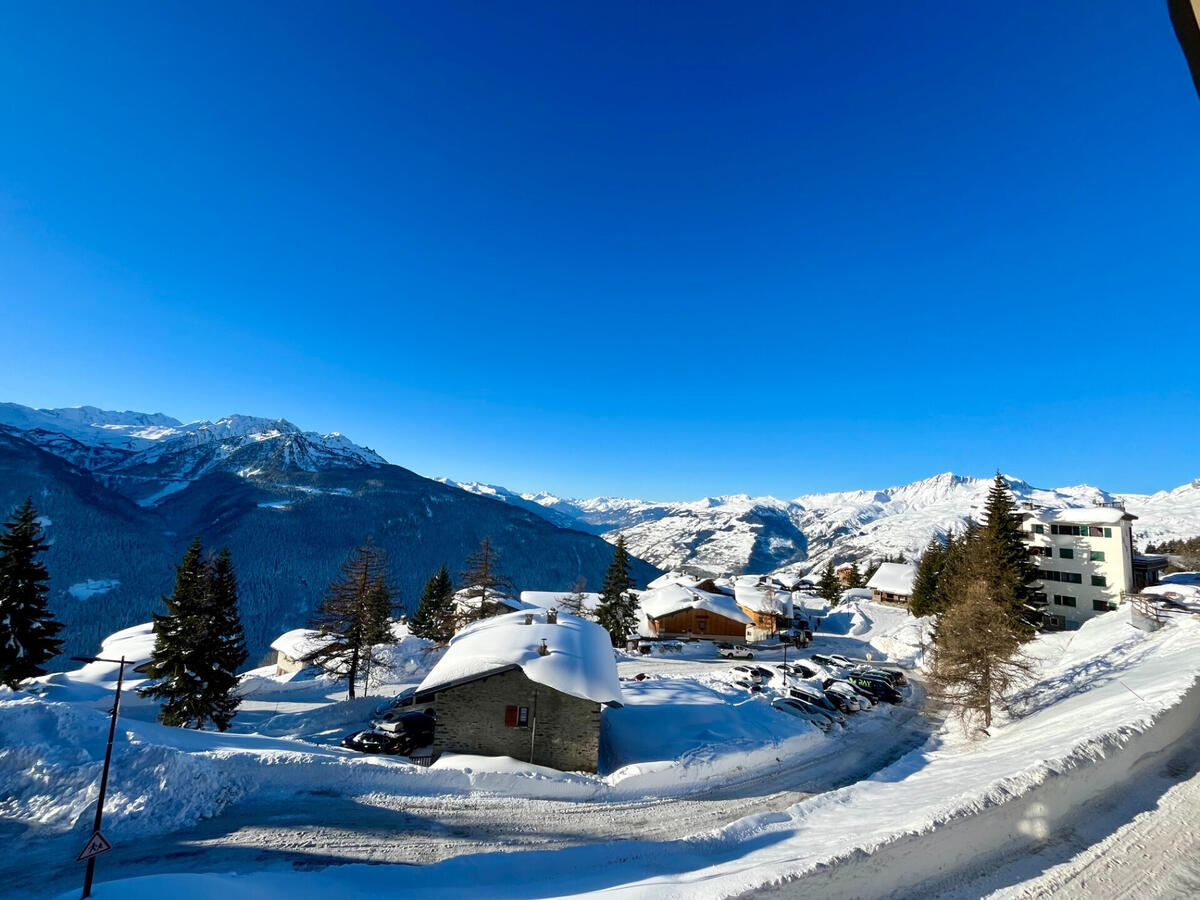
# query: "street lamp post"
(112, 729)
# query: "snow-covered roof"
(894, 578)
(1181, 578)
(756, 598)
(299, 643)
(1082, 515)
(555, 599)
(671, 578)
(580, 661)
(676, 597)
(135, 644)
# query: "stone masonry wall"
(471, 719)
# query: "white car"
(847, 693)
(734, 651)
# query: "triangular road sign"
(95, 846)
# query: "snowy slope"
(740, 533)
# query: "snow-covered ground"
(706, 790)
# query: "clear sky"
(654, 249)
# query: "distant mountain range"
(765, 534)
(122, 493)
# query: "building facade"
(1084, 559)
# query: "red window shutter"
(510, 716)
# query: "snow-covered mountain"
(150, 456)
(740, 533)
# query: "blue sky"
(664, 250)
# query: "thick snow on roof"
(299, 643)
(757, 598)
(670, 578)
(555, 599)
(894, 578)
(676, 597)
(580, 661)
(1083, 515)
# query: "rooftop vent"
(551, 617)
(543, 650)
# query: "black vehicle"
(798, 669)
(375, 742)
(862, 692)
(877, 687)
(764, 674)
(415, 727)
(894, 677)
(751, 686)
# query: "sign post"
(97, 844)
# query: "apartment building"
(1084, 557)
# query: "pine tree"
(976, 656)
(483, 585)
(28, 632)
(434, 618)
(177, 672)
(855, 578)
(829, 588)
(617, 610)
(1004, 559)
(925, 597)
(354, 617)
(228, 642)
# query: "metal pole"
(112, 728)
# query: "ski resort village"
(968, 710)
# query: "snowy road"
(321, 828)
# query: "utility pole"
(95, 847)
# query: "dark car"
(415, 727)
(375, 742)
(798, 669)
(843, 705)
(751, 686)
(878, 688)
(894, 677)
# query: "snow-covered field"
(857, 813)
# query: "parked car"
(816, 697)
(401, 699)
(832, 659)
(894, 677)
(671, 646)
(415, 727)
(877, 687)
(793, 708)
(800, 670)
(376, 742)
(734, 651)
(815, 710)
(866, 700)
(849, 699)
(752, 686)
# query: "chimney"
(551, 617)
(543, 650)
(528, 618)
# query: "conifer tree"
(617, 610)
(354, 617)
(977, 656)
(483, 584)
(434, 618)
(829, 588)
(176, 671)
(28, 632)
(1004, 558)
(199, 644)
(228, 642)
(925, 597)
(855, 578)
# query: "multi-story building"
(1084, 558)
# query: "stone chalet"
(529, 685)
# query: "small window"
(1039, 529)
(1097, 556)
(1066, 552)
(1064, 600)
(1099, 581)
(1099, 606)
(1108, 532)
(516, 717)
(1094, 531)
(1073, 577)
(523, 717)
